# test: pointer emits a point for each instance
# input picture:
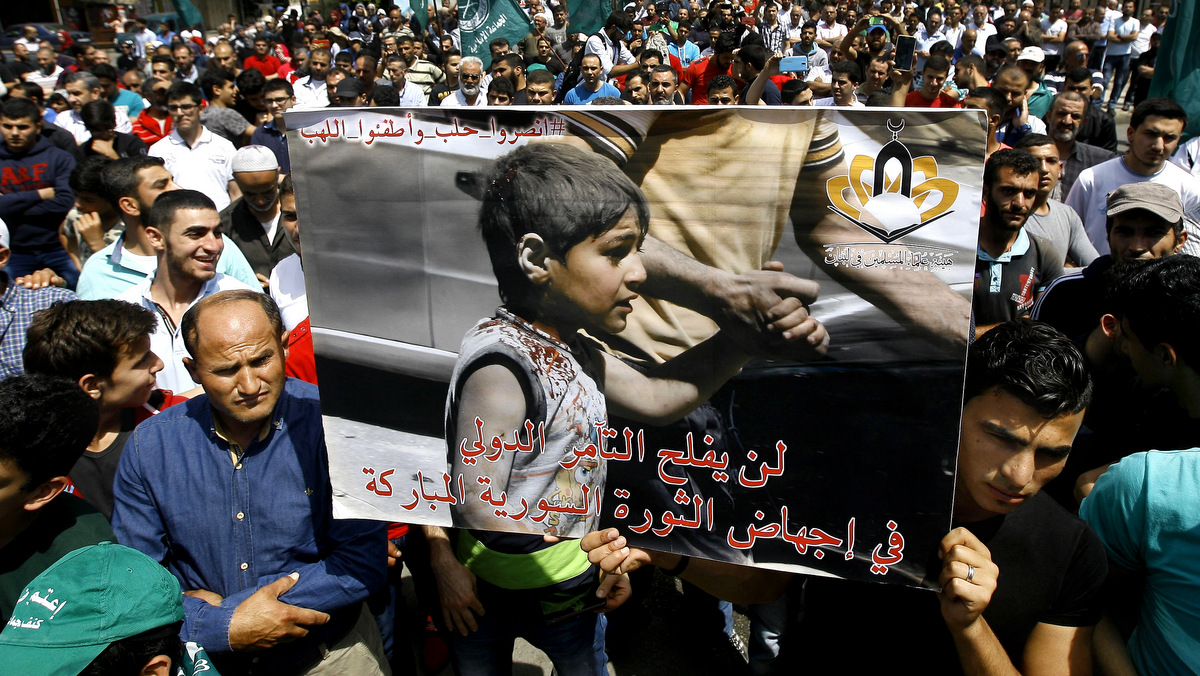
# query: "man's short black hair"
(87, 336)
(163, 58)
(250, 82)
(542, 76)
(213, 77)
(15, 109)
(937, 64)
(755, 55)
(514, 61)
(1012, 69)
(995, 101)
(790, 89)
(502, 85)
(162, 214)
(130, 655)
(664, 68)
(104, 71)
(558, 192)
(1078, 74)
(722, 81)
(1033, 141)
(726, 43)
(184, 90)
(1033, 362)
(385, 96)
(651, 54)
(1160, 298)
(943, 48)
(973, 60)
(87, 176)
(99, 115)
(121, 179)
(46, 423)
(1157, 107)
(1021, 163)
(849, 69)
(279, 84)
(499, 42)
(619, 20)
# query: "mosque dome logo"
(878, 194)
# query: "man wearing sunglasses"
(196, 157)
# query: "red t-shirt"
(697, 77)
(267, 66)
(301, 363)
(944, 100)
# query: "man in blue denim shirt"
(231, 492)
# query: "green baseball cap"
(90, 598)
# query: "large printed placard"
(838, 466)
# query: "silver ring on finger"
(970, 573)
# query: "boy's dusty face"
(594, 287)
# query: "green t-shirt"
(64, 525)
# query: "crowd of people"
(159, 387)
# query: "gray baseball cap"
(1158, 199)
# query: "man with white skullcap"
(252, 222)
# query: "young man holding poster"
(1026, 391)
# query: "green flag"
(1177, 70)
(482, 21)
(188, 13)
(588, 16)
(421, 9)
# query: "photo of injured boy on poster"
(730, 333)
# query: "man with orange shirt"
(262, 60)
(931, 95)
(696, 77)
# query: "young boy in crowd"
(563, 229)
(104, 346)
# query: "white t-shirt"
(208, 167)
(287, 289)
(73, 122)
(1057, 28)
(1123, 27)
(1188, 156)
(1089, 197)
(166, 342)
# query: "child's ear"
(534, 257)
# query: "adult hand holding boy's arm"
(750, 306)
(609, 550)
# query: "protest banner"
(839, 466)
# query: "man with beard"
(311, 91)
(637, 88)
(470, 73)
(1012, 267)
(252, 222)
(663, 83)
(1067, 114)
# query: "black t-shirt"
(93, 475)
(551, 65)
(1052, 567)
(439, 92)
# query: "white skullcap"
(254, 158)
(3, 234)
